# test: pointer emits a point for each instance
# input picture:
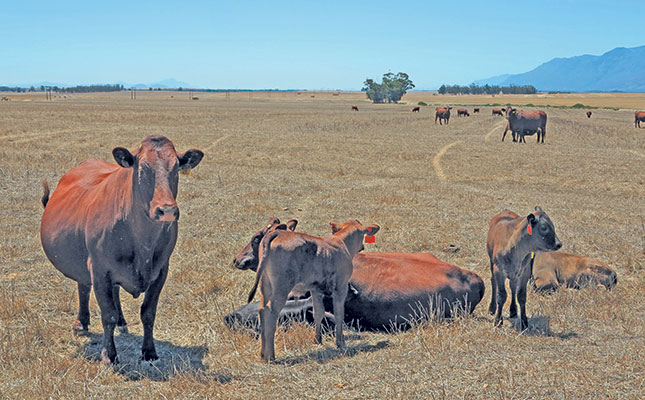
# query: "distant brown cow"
(320, 265)
(475, 110)
(639, 117)
(416, 109)
(442, 113)
(510, 241)
(497, 111)
(462, 112)
(109, 225)
(555, 269)
(354, 108)
(386, 291)
(588, 114)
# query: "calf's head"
(598, 273)
(352, 233)
(155, 175)
(248, 257)
(542, 232)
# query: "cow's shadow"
(332, 353)
(173, 360)
(541, 326)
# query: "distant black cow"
(416, 109)
(354, 108)
(475, 110)
(588, 114)
(522, 123)
(639, 117)
(462, 112)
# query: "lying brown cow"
(588, 114)
(387, 290)
(639, 117)
(497, 111)
(510, 241)
(555, 269)
(354, 108)
(321, 265)
(442, 113)
(462, 112)
(416, 109)
(110, 225)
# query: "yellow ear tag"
(532, 255)
(186, 172)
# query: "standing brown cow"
(354, 108)
(291, 260)
(442, 113)
(416, 109)
(522, 123)
(639, 117)
(462, 112)
(497, 111)
(110, 225)
(510, 241)
(588, 114)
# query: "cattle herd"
(111, 226)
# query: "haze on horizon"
(286, 45)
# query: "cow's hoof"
(122, 330)
(79, 330)
(105, 359)
(149, 356)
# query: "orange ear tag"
(370, 239)
(528, 227)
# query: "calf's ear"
(291, 225)
(123, 157)
(190, 159)
(370, 230)
(531, 218)
(538, 209)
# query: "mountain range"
(618, 70)
(163, 84)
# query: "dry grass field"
(296, 156)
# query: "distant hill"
(164, 84)
(621, 70)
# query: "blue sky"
(308, 45)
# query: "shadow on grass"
(328, 354)
(540, 326)
(173, 360)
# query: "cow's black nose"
(167, 213)
(558, 245)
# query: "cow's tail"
(45, 197)
(266, 243)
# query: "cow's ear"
(123, 157)
(190, 159)
(281, 227)
(538, 209)
(370, 230)
(335, 226)
(531, 218)
(257, 238)
(291, 225)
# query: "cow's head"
(248, 257)
(352, 233)
(155, 175)
(597, 273)
(542, 232)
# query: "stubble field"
(308, 156)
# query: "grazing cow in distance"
(462, 112)
(386, 290)
(354, 108)
(588, 114)
(511, 240)
(416, 109)
(442, 113)
(109, 225)
(555, 269)
(292, 260)
(497, 111)
(475, 110)
(639, 117)
(523, 123)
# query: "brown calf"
(639, 117)
(497, 111)
(108, 226)
(510, 241)
(321, 265)
(554, 269)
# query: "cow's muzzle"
(167, 213)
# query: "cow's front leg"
(319, 313)
(109, 316)
(121, 325)
(148, 314)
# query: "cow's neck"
(518, 247)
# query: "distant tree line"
(390, 90)
(12, 89)
(487, 89)
(90, 88)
